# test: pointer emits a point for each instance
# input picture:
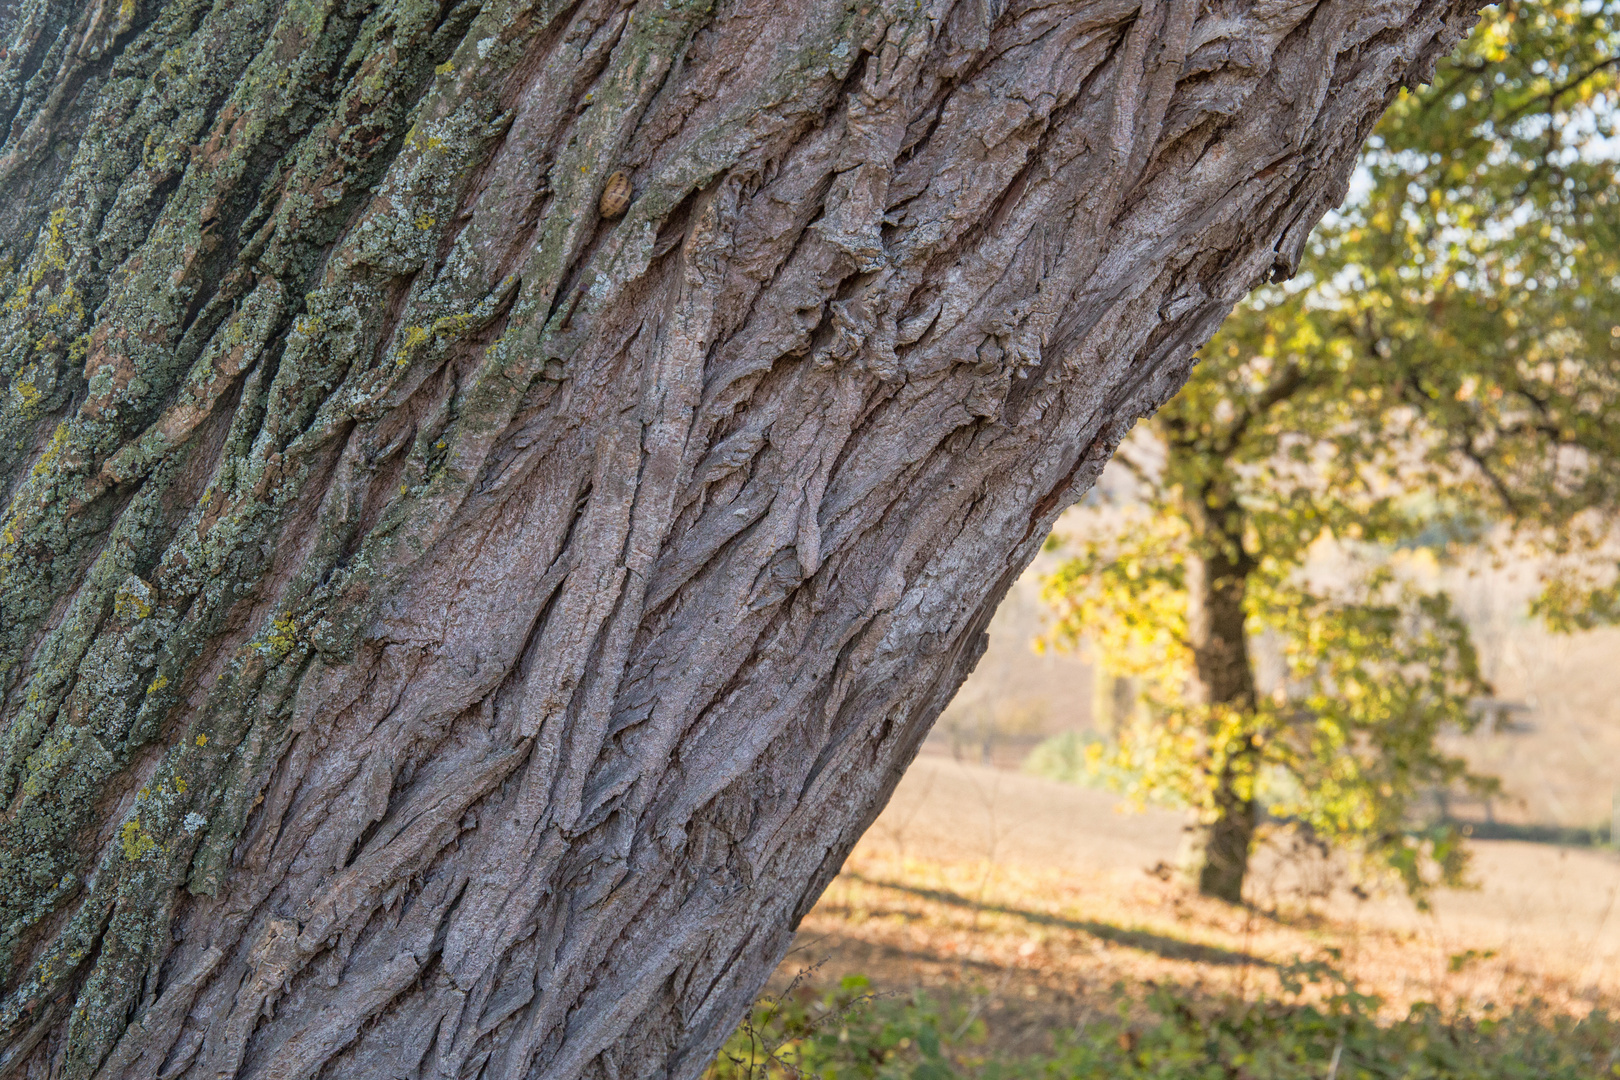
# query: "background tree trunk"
(1223, 673)
(445, 632)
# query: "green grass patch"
(1319, 1028)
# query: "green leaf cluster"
(1455, 331)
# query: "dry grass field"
(1030, 903)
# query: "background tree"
(449, 629)
(1447, 358)
(1371, 671)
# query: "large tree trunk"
(449, 632)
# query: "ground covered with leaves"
(934, 970)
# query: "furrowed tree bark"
(445, 632)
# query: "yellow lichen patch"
(152, 150)
(426, 221)
(133, 600)
(423, 142)
(27, 394)
(202, 740)
(52, 448)
(413, 337)
(455, 325)
(67, 303)
(157, 684)
(42, 763)
(137, 842)
(283, 635)
(52, 257)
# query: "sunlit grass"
(932, 969)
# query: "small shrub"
(1321, 1028)
(844, 1034)
(1076, 757)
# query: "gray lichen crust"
(446, 631)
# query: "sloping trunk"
(446, 631)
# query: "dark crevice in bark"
(62, 94)
(24, 70)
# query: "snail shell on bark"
(616, 195)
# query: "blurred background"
(1550, 731)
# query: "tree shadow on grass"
(1159, 944)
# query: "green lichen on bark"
(205, 231)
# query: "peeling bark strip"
(446, 632)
